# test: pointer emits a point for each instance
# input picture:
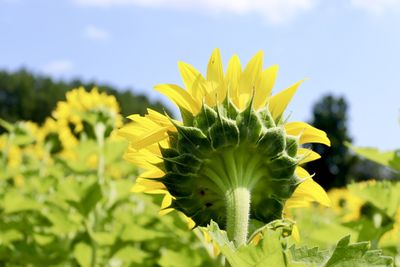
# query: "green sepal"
(249, 125)
(187, 117)
(267, 118)
(168, 152)
(173, 138)
(206, 118)
(183, 163)
(272, 142)
(224, 133)
(179, 185)
(282, 166)
(231, 110)
(292, 144)
(192, 140)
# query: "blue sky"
(345, 47)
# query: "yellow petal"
(138, 188)
(233, 74)
(215, 74)
(309, 190)
(307, 155)
(296, 233)
(143, 159)
(192, 79)
(166, 202)
(293, 203)
(190, 223)
(179, 96)
(160, 119)
(154, 173)
(307, 133)
(150, 184)
(151, 137)
(279, 102)
(215, 71)
(264, 87)
(251, 74)
(301, 173)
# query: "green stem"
(100, 129)
(6, 150)
(93, 256)
(237, 210)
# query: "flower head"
(346, 204)
(82, 110)
(233, 142)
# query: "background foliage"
(65, 196)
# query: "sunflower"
(82, 111)
(346, 204)
(233, 158)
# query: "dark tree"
(334, 168)
(338, 165)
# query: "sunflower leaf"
(268, 252)
(343, 255)
(389, 159)
(272, 250)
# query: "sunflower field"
(223, 185)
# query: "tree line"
(26, 96)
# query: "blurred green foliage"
(65, 200)
(65, 197)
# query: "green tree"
(338, 165)
(334, 168)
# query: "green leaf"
(127, 255)
(9, 236)
(271, 251)
(104, 238)
(6, 125)
(181, 258)
(83, 254)
(389, 159)
(137, 233)
(357, 255)
(63, 222)
(309, 256)
(16, 202)
(43, 239)
(343, 255)
(92, 196)
(268, 252)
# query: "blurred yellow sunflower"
(80, 112)
(345, 204)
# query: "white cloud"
(377, 7)
(10, 1)
(58, 67)
(275, 11)
(94, 33)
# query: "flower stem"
(99, 132)
(237, 210)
